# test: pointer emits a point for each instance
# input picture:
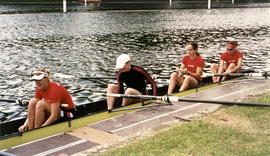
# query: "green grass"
(234, 131)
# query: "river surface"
(79, 44)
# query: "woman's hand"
(184, 71)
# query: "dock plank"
(94, 135)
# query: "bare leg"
(43, 110)
(174, 80)
(132, 91)
(214, 70)
(112, 89)
(30, 121)
(189, 82)
(231, 66)
(31, 113)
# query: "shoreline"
(77, 7)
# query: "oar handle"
(111, 77)
(155, 76)
(22, 102)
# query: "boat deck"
(99, 136)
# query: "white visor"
(37, 75)
(121, 61)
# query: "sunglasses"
(230, 49)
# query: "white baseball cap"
(121, 61)
(39, 74)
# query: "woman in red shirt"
(190, 71)
(44, 108)
(233, 59)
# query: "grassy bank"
(233, 131)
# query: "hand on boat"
(23, 128)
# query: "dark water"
(78, 44)
(28, 6)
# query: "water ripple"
(79, 44)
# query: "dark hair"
(233, 42)
(195, 47)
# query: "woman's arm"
(198, 73)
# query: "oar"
(247, 72)
(21, 102)
(178, 99)
(265, 74)
(3, 115)
(113, 77)
(15, 115)
(167, 77)
(7, 100)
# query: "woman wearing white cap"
(44, 108)
(133, 76)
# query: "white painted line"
(61, 148)
(184, 108)
(35, 141)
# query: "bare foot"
(23, 128)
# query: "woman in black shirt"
(135, 79)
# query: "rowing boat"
(85, 114)
(95, 110)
